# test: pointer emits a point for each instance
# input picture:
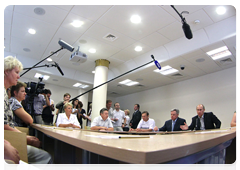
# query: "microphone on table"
(59, 69)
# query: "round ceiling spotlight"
(39, 11)
(135, 19)
(221, 10)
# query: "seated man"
(203, 120)
(146, 124)
(102, 122)
(173, 124)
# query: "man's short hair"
(176, 110)
(108, 101)
(66, 94)
(116, 103)
(48, 91)
(138, 106)
(17, 87)
(202, 106)
(11, 62)
(145, 112)
(102, 110)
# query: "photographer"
(36, 99)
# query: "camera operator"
(47, 115)
(40, 99)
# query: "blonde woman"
(67, 119)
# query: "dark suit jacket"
(168, 125)
(136, 119)
(210, 122)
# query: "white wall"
(217, 91)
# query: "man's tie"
(173, 123)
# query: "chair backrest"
(19, 141)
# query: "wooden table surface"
(140, 148)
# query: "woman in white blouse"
(67, 119)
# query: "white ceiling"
(159, 33)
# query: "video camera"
(33, 88)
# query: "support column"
(99, 94)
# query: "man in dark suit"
(173, 124)
(204, 120)
(136, 117)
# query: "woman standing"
(75, 106)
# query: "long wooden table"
(137, 148)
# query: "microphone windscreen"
(157, 64)
(66, 45)
(59, 69)
(187, 30)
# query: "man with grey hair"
(173, 124)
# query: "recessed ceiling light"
(92, 50)
(31, 31)
(219, 53)
(135, 19)
(77, 84)
(166, 70)
(49, 59)
(125, 81)
(45, 77)
(128, 82)
(83, 86)
(138, 48)
(77, 23)
(93, 72)
(221, 10)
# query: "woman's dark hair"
(73, 103)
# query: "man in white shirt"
(146, 124)
(118, 117)
(102, 122)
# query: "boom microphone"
(187, 30)
(66, 45)
(59, 69)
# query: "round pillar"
(99, 94)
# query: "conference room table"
(78, 146)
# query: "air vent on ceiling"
(177, 75)
(113, 93)
(110, 37)
(226, 61)
(140, 86)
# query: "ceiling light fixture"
(92, 50)
(77, 84)
(219, 53)
(31, 31)
(128, 82)
(166, 70)
(221, 10)
(77, 23)
(45, 77)
(135, 19)
(49, 59)
(138, 48)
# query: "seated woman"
(21, 117)
(67, 119)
